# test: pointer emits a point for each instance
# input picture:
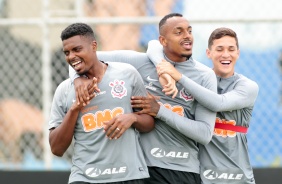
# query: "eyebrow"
(189, 27)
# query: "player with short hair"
(225, 159)
(171, 148)
(96, 158)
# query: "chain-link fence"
(32, 63)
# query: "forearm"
(243, 95)
(144, 123)
(61, 137)
(198, 130)
(155, 52)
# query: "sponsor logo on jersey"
(177, 108)
(150, 86)
(91, 122)
(224, 133)
(150, 79)
(94, 172)
(185, 95)
(226, 177)
(118, 89)
(161, 153)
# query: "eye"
(77, 49)
(178, 32)
(66, 53)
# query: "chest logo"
(185, 95)
(118, 89)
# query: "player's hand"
(84, 89)
(147, 105)
(168, 84)
(118, 125)
(166, 67)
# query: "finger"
(138, 98)
(175, 93)
(118, 132)
(91, 86)
(80, 96)
(107, 125)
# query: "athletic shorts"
(167, 176)
(140, 181)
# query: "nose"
(71, 55)
(187, 34)
(225, 53)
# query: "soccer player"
(225, 159)
(96, 158)
(181, 123)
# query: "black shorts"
(166, 176)
(141, 181)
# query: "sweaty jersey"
(225, 159)
(96, 159)
(181, 123)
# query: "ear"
(208, 53)
(94, 45)
(162, 40)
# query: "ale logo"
(159, 153)
(213, 175)
(94, 172)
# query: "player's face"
(79, 53)
(224, 54)
(177, 39)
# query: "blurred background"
(32, 64)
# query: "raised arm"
(155, 53)
(243, 95)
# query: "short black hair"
(75, 29)
(164, 19)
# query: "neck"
(99, 71)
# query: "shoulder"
(247, 83)
(121, 66)
(64, 86)
(204, 71)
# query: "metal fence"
(32, 63)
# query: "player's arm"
(200, 129)
(155, 53)
(62, 123)
(243, 95)
(119, 124)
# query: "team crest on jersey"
(118, 89)
(185, 95)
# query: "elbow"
(57, 152)
(207, 140)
